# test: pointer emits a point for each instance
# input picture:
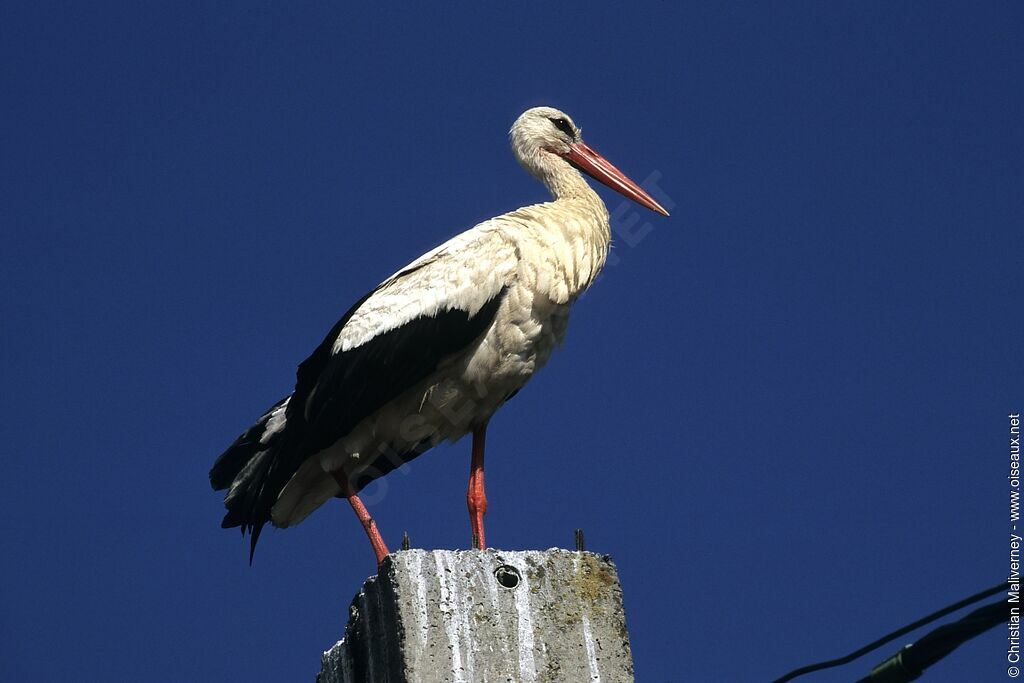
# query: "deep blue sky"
(782, 411)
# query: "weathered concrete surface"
(432, 616)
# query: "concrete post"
(473, 616)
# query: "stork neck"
(565, 182)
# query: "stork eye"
(564, 126)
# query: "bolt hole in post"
(508, 576)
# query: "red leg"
(380, 549)
(476, 499)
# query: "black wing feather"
(356, 383)
(349, 387)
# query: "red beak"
(600, 169)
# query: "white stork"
(434, 350)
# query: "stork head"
(546, 142)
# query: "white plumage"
(458, 331)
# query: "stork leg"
(380, 549)
(476, 499)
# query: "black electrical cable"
(894, 635)
(910, 662)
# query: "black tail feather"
(238, 454)
(246, 467)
